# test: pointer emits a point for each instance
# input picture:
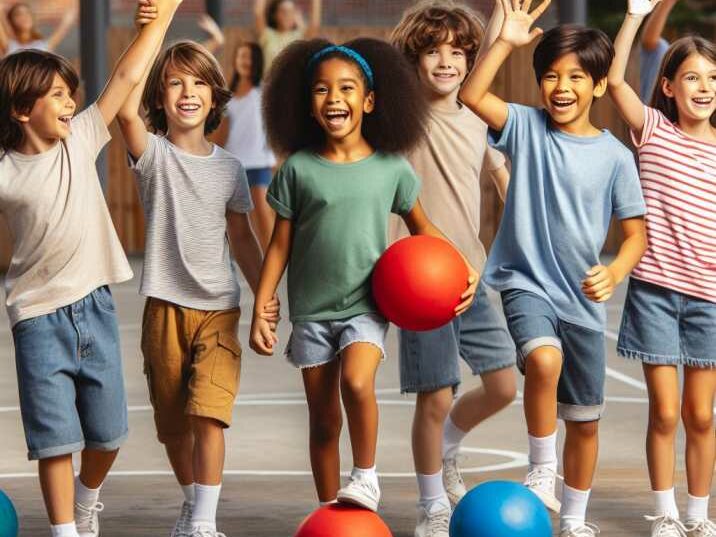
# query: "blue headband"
(352, 54)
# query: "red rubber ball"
(418, 281)
(343, 521)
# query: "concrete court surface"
(268, 487)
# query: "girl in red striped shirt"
(670, 312)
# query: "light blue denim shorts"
(69, 370)
(431, 360)
(664, 327)
(314, 343)
(533, 323)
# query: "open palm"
(642, 7)
(516, 28)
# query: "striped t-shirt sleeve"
(240, 201)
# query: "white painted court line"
(515, 459)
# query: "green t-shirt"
(340, 224)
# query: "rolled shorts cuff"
(569, 412)
(223, 414)
(55, 451)
(111, 445)
(430, 387)
(528, 347)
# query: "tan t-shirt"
(64, 243)
(272, 42)
(449, 162)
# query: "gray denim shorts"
(533, 323)
(314, 343)
(431, 360)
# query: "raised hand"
(145, 13)
(208, 24)
(517, 25)
(642, 7)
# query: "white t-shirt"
(247, 137)
(187, 259)
(64, 243)
(14, 46)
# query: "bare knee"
(357, 388)
(697, 420)
(582, 431)
(326, 427)
(501, 390)
(202, 427)
(544, 365)
(434, 406)
(663, 418)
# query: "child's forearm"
(493, 29)
(249, 258)
(622, 48)
(655, 25)
(274, 265)
(630, 252)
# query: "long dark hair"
(674, 57)
(257, 65)
(271, 10)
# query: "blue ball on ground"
(500, 509)
(8, 517)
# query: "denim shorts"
(314, 343)
(259, 177)
(69, 370)
(664, 327)
(430, 360)
(533, 323)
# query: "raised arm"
(129, 117)
(492, 31)
(132, 65)
(314, 25)
(625, 98)
(654, 27)
(5, 30)
(216, 35)
(516, 31)
(260, 17)
(66, 24)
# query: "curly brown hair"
(396, 124)
(434, 22)
(192, 58)
(25, 77)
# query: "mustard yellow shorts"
(192, 360)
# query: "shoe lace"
(452, 471)
(182, 528)
(666, 526)
(540, 477)
(205, 532)
(365, 483)
(86, 515)
(587, 530)
(705, 527)
(439, 523)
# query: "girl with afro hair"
(343, 114)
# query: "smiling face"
(286, 16)
(51, 115)
(339, 98)
(567, 93)
(442, 69)
(693, 89)
(21, 19)
(187, 100)
(242, 62)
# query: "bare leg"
(543, 367)
(180, 451)
(430, 412)
(663, 385)
(697, 413)
(581, 447)
(57, 479)
(209, 450)
(497, 391)
(326, 419)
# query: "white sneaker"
(361, 492)
(665, 526)
(433, 520)
(452, 481)
(542, 481)
(585, 530)
(206, 532)
(701, 528)
(182, 528)
(87, 519)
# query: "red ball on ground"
(418, 281)
(337, 520)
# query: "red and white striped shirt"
(678, 177)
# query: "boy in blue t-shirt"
(568, 179)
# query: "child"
(66, 253)
(280, 23)
(441, 39)
(196, 199)
(18, 30)
(568, 179)
(343, 113)
(670, 310)
(247, 138)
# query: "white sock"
(189, 494)
(367, 474)
(432, 489)
(543, 451)
(64, 530)
(452, 436)
(665, 503)
(85, 496)
(205, 504)
(697, 508)
(574, 508)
